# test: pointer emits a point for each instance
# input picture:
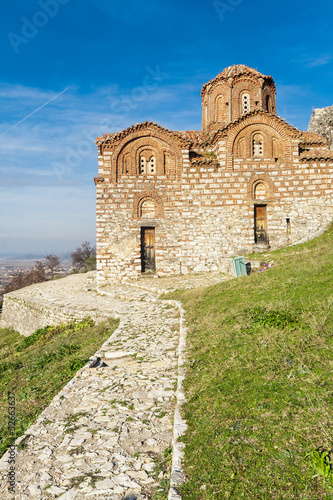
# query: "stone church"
(171, 202)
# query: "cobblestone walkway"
(100, 434)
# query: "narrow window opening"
(245, 104)
(288, 229)
(152, 165)
(268, 104)
(142, 165)
(257, 145)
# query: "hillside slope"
(259, 381)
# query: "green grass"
(259, 381)
(36, 368)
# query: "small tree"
(52, 263)
(89, 263)
(84, 257)
(37, 274)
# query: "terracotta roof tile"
(196, 137)
(294, 132)
(233, 72)
(316, 154)
(118, 136)
(205, 160)
(311, 138)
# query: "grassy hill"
(259, 381)
(34, 369)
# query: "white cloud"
(37, 202)
(21, 92)
(319, 61)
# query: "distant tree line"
(83, 260)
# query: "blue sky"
(74, 69)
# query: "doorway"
(260, 224)
(148, 249)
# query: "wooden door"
(147, 249)
(260, 224)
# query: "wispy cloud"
(321, 60)
(49, 157)
(21, 92)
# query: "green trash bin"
(239, 266)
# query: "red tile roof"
(234, 71)
(310, 138)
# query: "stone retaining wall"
(51, 303)
(27, 316)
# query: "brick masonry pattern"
(204, 186)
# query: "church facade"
(171, 202)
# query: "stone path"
(100, 435)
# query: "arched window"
(260, 191)
(147, 165)
(147, 209)
(246, 108)
(257, 145)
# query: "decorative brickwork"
(266, 192)
(189, 199)
(141, 198)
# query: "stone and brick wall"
(201, 189)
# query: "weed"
(75, 417)
(321, 462)
(71, 429)
(76, 451)
(77, 480)
(162, 467)
(160, 414)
